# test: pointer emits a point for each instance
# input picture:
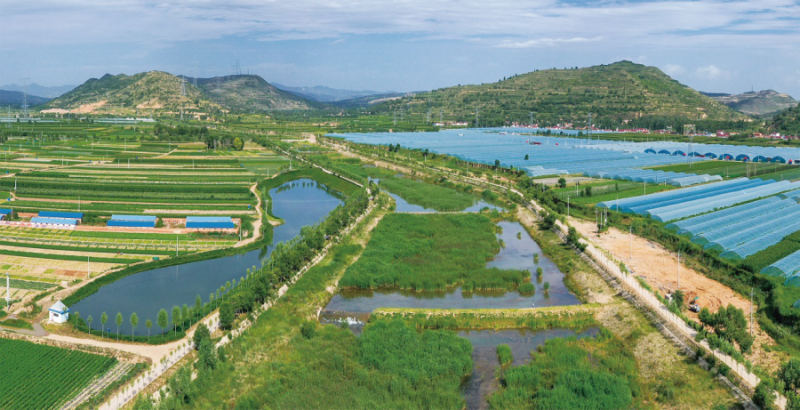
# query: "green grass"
(17, 323)
(428, 195)
(431, 252)
(67, 257)
(504, 354)
(36, 376)
(572, 374)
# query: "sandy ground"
(256, 223)
(659, 268)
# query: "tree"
(176, 317)
(200, 334)
(226, 316)
(238, 144)
(562, 183)
(118, 321)
(496, 163)
(211, 299)
(527, 157)
(162, 320)
(588, 191)
(103, 320)
(198, 304)
(134, 323)
(308, 329)
(789, 373)
(148, 324)
(678, 299)
(185, 313)
(764, 397)
(89, 321)
(77, 316)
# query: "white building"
(59, 313)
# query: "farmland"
(105, 170)
(42, 377)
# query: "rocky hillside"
(250, 93)
(760, 103)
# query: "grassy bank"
(432, 252)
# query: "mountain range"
(14, 98)
(756, 103)
(39, 90)
(163, 92)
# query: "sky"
(401, 45)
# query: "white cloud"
(712, 72)
(546, 42)
(511, 23)
(673, 69)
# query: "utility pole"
(679, 270)
(631, 231)
(751, 311)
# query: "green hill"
(612, 93)
(760, 103)
(786, 122)
(160, 92)
(251, 93)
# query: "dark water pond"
(482, 381)
(299, 203)
(517, 254)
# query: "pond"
(299, 203)
(482, 382)
(351, 305)
(403, 206)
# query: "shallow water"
(522, 342)
(517, 254)
(299, 203)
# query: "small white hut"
(59, 313)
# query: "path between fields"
(256, 224)
(658, 267)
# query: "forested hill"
(160, 92)
(612, 93)
(786, 122)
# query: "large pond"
(517, 254)
(299, 203)
(482, 381)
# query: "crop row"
(40, 377)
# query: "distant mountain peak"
(757, 103)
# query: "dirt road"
(659, 268)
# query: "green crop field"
(41, 377)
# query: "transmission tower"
(590, 126)
(441, 115)
(531, 116)
(25, 97)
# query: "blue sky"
(401, 45)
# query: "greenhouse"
(699, 206)
(694, 180)
(710, 190)
(759, 243)
(734, 235)
(785, 267)
(714, 220)
(738, 226)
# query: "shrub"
(504, 354)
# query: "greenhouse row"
(787, 268)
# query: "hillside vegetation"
(249, 93)
(613, 93)
(157, 91)
(787, 121)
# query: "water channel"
(299, 203)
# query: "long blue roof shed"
(210, 222)
(65, 215)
